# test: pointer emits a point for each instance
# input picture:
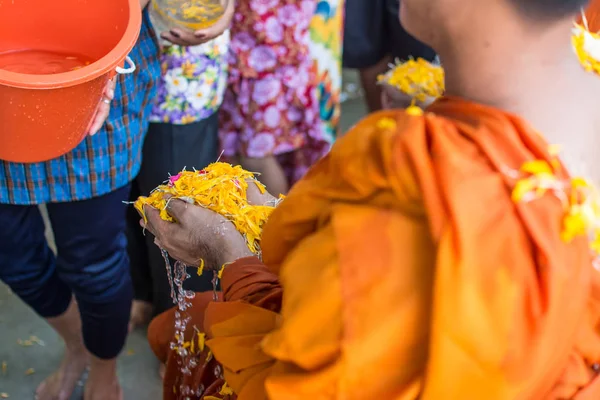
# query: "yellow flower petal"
(414, 111)
(220, 274)
(386, 124)
(220, 187)
(226, 390)
(574, 224)
(523, 188)
(586, 45)
(418, 78)
(201, 341)
(537, 167)
(201, 268)
(577, 183)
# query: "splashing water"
(165, 255)
(177, 274)
(187, 361)
(215, 283)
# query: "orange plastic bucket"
(45, 116)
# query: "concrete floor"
(138, 368)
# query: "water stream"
(177, 275)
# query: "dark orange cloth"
(204, 380)
(592, 14)
(252, 283)
(409, 272)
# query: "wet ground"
(31, 350)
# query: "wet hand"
(184, 37)
(198, 234)
(392, 98)
(104, 107)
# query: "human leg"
(61, 384)
(365, 45)
(92, 260)
(28, 267)
(139, 267)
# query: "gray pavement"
(31, 350)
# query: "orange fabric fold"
(592, 14)
(245, 282)
(409, 272)
(206, 378)
(252, 295)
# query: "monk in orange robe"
(442, 255)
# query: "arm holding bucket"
(104, 107)
(109, 95)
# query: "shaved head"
(504, 53)
(437, 22)
(549, 9)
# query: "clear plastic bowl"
(187, 14)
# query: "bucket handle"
(129, 70)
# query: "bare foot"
(141, 314)
(102, 383)
(61, 384)
(98, 391)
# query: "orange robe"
(409, 273)
(592, 15)
(206, 380)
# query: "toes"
(41, 393)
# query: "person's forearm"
(230, 10)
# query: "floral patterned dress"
(193, 82)
(271, 105)
(326, 38)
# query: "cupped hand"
(197, 235)
(183, 37)
(393, 98)
(104, 108)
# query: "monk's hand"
(104, 108)
(393, 98)
(198, 235)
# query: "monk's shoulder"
(379, 130)
(373, 158)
